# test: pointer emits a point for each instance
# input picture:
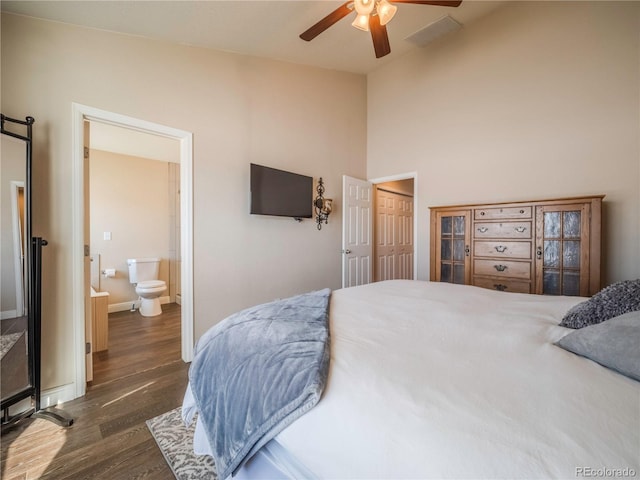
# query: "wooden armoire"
(544, 246)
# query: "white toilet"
(143, 273)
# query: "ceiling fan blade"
(440, 3)
(338, 14)
(379, 36)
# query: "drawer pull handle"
(500, 287)
(481, 213)
(520, 229)
(521, 211)
(500, 268)
(483, 229)
(501, 248)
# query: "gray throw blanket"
(259, 370)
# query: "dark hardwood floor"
(139, 377)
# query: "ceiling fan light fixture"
(372, 16)
(386, 11)
(362, 22)
(364, 7)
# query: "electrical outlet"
(107, 235)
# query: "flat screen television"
(280, 193)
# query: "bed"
(434, 380)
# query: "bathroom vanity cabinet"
(100, 321)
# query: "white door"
(394, 236)
(357, 232)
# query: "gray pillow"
(614, 300)
(614, 344)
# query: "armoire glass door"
(452, 247)
(561, 250)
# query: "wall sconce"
(322, 205)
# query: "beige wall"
(537, 100)
(129, 198)
(240, 109)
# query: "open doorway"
(393, 232)
(82, 114)
(361, 218)
(133, 204)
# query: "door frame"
(80, 113)
(416, 206)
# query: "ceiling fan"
(372, 15)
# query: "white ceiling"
(264, 28)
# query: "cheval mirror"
(20, 282)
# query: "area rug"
(8, 341)
(175, 441)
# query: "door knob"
(347, 251)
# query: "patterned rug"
(175, 441)
(8, 341)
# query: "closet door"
(451, 234)
(394, 236)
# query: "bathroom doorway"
(134, 205)
(81, 269)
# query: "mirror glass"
(14, 376)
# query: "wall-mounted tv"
(280, 193)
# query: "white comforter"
(432, 380)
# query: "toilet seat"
(150, 287)
(152, 284)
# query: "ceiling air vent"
(433, 31)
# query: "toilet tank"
(143, 269)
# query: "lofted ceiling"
(263, 28)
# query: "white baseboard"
(48, 398)
(57, 395)
(124, 306)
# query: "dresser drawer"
(502, 268)
(502, 230)
(503, 285)
(500, 249)
(504, 212)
